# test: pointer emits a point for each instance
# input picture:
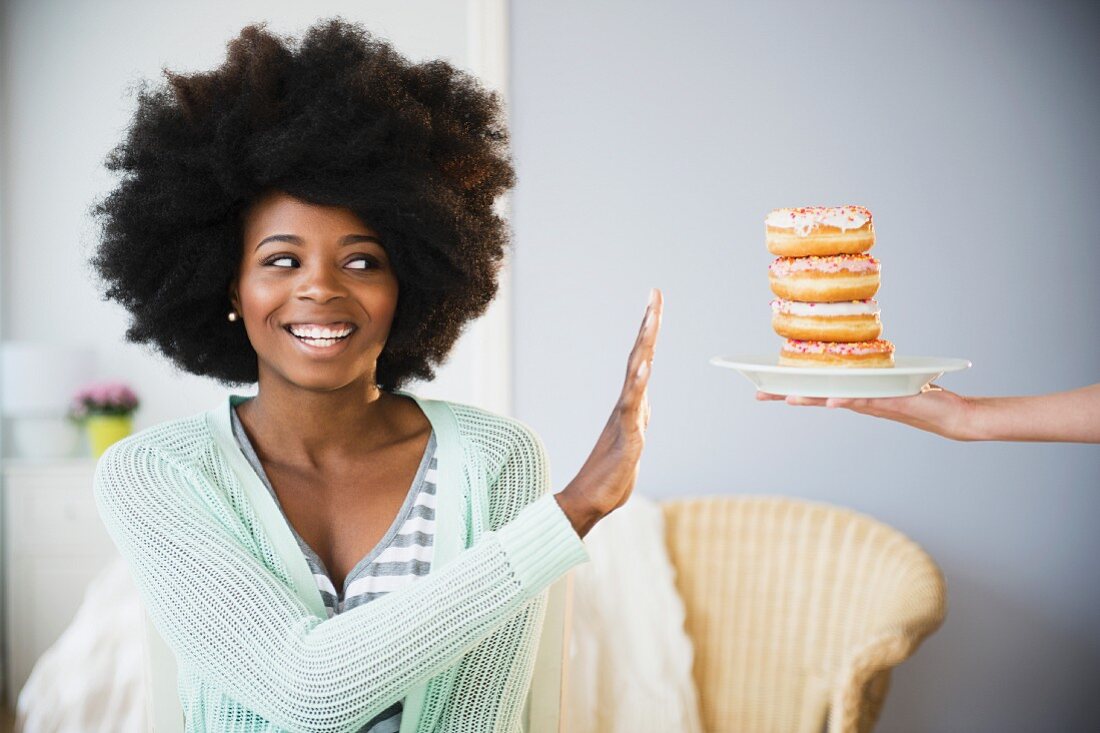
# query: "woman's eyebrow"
(295, 239)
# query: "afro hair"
(417, 151)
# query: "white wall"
(67, 68)
(653, 137)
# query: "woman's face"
(309, 275)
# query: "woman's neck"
(313, 429)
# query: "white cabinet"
(54, 544)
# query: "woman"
(335, 554)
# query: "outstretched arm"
(1072, 416)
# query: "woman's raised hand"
(607, 478)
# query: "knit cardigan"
(231, 594)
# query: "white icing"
(807, 218)
(784, 266)
(859, 348)
(867, 307)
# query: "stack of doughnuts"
(825, 280)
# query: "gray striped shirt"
(402, 555)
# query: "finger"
(640, 339)
(805, 401)
(634, 415)
(645, 344)
(865, 405)
(637, 378)
(651, 324)
(653, 307)
(652, 319)
(769, 397)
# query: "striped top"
(401, 556)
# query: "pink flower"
(103, 398)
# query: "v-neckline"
(411, 494)
(457, 482)
(250, 452)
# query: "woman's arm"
(226, 616)
(1071, 416)
(480, 694)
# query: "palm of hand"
(935, 409)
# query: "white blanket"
(92, 677)
(629, 656)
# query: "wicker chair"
(797, 611)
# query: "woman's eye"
(367, 263)
(359, 263)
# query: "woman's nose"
(319, 282)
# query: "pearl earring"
(232, 316)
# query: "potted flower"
(106, 409)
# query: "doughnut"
(876, 353)
(816, 279)
(819, 230)
(854, 320)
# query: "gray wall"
(651, 138)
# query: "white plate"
(907, 377)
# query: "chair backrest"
(776, 592)
(542, 712)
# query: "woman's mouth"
(321, 338)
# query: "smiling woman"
(414, 154)
(334, 554)
(316, 291)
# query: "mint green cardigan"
(231, 594)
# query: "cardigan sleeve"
(476, 689)
(230, 620)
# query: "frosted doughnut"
(854, 320)
(877, 353)
(825, 279)
(819, 230)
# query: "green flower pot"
(104, 430)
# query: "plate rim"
(942, 365)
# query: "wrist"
(977, 421)
(578, 510)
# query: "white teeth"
(319, 333)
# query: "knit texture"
(251, 654)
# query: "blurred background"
(650, 139)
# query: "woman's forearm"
(1071, 416)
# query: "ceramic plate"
(907, 377)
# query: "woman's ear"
(233, 300)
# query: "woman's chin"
(323, 377)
